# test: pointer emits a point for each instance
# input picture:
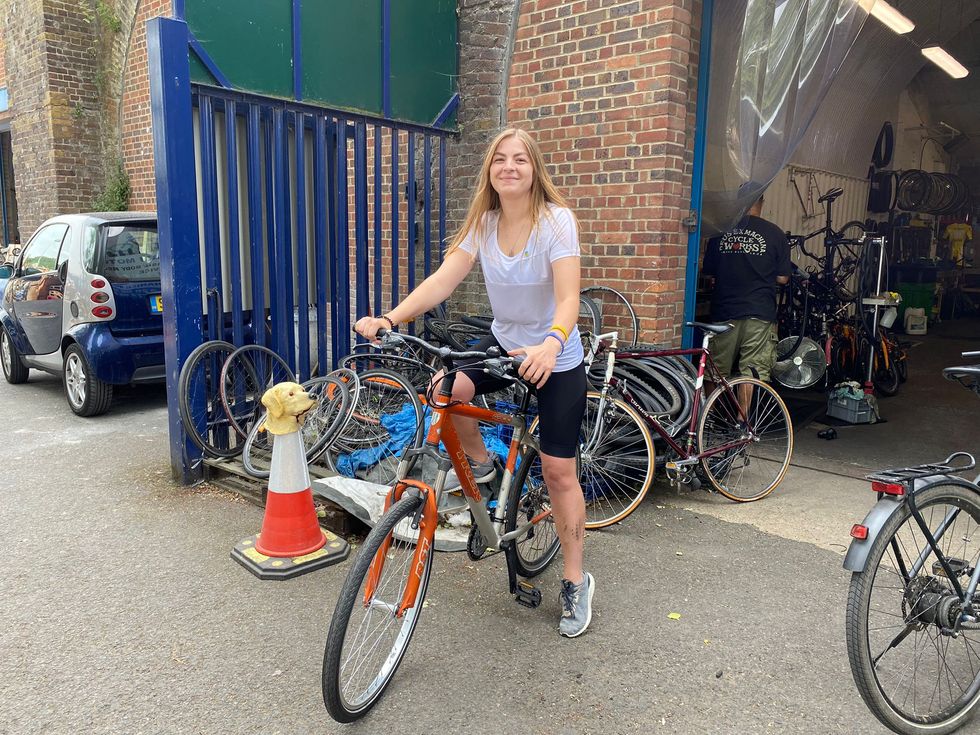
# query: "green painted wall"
(341, 53)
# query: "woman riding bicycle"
(526, 238)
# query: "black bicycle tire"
(856, 617)
(183, 399)
(593, 315)
(244, 350)
(634, 319)
(654, 378)
(884, 147)
(388, 362)
(337, 633)
(886, 380)
(524, 567)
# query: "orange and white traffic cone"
(291, 542)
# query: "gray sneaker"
(482, 472)
(576, 606)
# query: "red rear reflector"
(859, 532)
(98, 283)
(100, 297)
(888, 488)
(102, 311)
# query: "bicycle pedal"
(527, 594)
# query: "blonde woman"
(526, 238)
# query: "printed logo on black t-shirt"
(748, 242)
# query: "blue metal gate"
(257, 200)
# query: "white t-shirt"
(522, 287)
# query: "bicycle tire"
(625, 339)
(617, 464)
(864, 636)
(720, 424)
(383, 397)
(414, 370)
(589, 316)
(341, 706)
(206, 424)
(885, 377)
(246, 375)
(320, 426)
(534, 551)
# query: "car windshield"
(132, 253)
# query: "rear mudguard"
(857, 553)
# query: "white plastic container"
(888, 317)
(916, 321)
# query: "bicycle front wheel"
(536, 548)
(912, 673)
(761, 448)
(618, 460)
(367, 640)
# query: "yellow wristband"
(561, 329)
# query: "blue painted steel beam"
(341, 313)
(446, 111)
(297, 50)
(395, 207)
(410, 189)
(427, 204)
(179, 9)
(361, 272)
(302, 250)
(234, 244)
(256, 241)
(270, 225)
(697, 181)
(208, 62)
(386, 58)
(3, 203)
(176, 195)
(320, 243)
(332, 247)
(377, 220)
(282, 322)
(212, 240)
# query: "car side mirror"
(63, 271)
(6, 271)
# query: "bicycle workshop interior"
(893, 157)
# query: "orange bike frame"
(439, 430)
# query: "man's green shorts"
(751, 345)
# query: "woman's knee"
(560, 473)
(463, 388)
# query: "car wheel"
(86, 394)
(14, 370)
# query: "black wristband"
(391, 324)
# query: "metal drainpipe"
(697, 181)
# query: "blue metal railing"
(265, 209)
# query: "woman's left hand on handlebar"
(539, 363)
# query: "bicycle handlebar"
(501, 362)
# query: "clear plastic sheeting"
(772, 63)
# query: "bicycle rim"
(246, 375)
(927, 681)
(753, 468)
(617, 458)
(367, 641)
(538, 546)
(199, 401)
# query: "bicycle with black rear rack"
(913, 609)
(381, 600)
(739, 437)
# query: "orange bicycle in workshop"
(379, 605)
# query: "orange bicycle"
(379, 605)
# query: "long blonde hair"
(485, 198)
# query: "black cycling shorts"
(561, 402)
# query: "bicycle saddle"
(831, 195)
(712, 328)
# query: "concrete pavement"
(122, 612)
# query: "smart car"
(83, 301)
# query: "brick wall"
(136, 133)
(607, 87)
(3, 63)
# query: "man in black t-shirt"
(747, 263)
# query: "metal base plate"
(335, 550)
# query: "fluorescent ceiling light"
(888, 15)
(944, 61)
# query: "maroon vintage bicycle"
(739, 437)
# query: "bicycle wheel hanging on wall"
(616, 312)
